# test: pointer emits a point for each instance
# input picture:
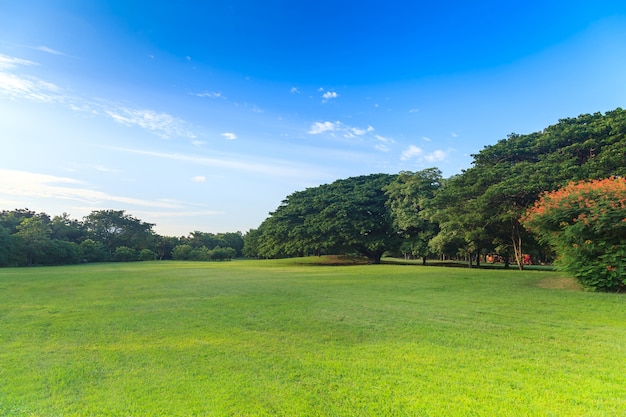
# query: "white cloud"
(360, 132)
(435, 156)
(34, 185)
(9, 62)
(48, 50)
(199, 178)
(32, 88)
(414, 111)
(411, 152)
(321, 127)
(229, 135)
(381, 147)
(29, 88)
(453, 134)
(161, 124)
(384, 139)
(209, 94)
(329, 95)
(294, 90)
(426, 139)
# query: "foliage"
(124, 254)
(30, 238)
(585, 223)
(407, 195)
(481, 207)
(146, 255)
(346, 216)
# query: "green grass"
(291, 338)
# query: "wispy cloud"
(34, 185)
(8, 62)
(209, 94)
(242, 163)
(199, 178)
(161, 124)
(229, 135)
(20, 86)
(49, 50)
(294, 90)
(24, 86)
(338, 127)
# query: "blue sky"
(205, 115)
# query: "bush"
(124, 254)
(147, 255)
(585, 223)
(182, 252)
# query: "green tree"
(147, 255)
(6, 246)
(407, 195)
(124, 254)
(348, 215)
(182, 252)
(92, 251)
(114, 228)
(33, 239)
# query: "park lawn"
(292, 338)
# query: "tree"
(348, 215)
(92, 251)
(585, 223)
(114, 228)
(6, 245)
(407, 195)
(125, 254)
(33, 239)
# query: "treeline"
(469, 215)
(29, 238)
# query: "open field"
(287, 338)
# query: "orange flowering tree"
(585, 223)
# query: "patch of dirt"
(560, 283)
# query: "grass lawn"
(290, 338)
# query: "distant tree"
(223, 254)
(147, 255)
(251, 243)
(32, 239)
(114, 228)
(585, 223)
(233, 240)
(182, 252)
(407, 195)
(67, 229)
(6, 246)
(124, 254)
(92, 251)
(165, 245)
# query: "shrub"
(147, 255)
(124, 254)
(585, 223)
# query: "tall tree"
(407, 195)
(114, 228)
(347, 215)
